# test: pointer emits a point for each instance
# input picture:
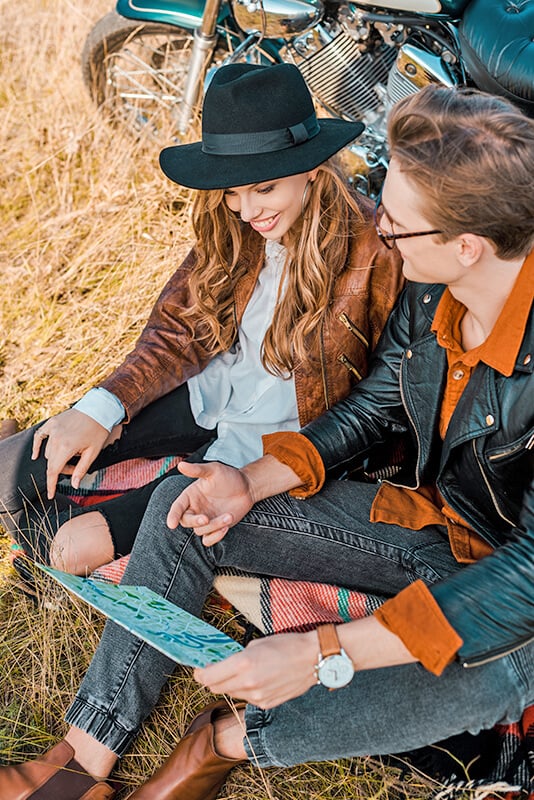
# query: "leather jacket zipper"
(528, 446)
(348, 323)
(349, 365)
(414, 426)
(495, 656)
(488, 487)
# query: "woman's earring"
(305, 196)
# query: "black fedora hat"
(258, 123)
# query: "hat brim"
(189, 166)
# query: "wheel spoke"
(145, 81)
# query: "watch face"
(335, 671)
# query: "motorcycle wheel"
(135, 71)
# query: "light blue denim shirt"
(234, 393)
(102, 406)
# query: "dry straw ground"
(89, 232)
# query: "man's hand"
(222, 495)
(71, 433)
(268, 672)
(276, 669)
(219, 498)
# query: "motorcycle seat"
(497, 39)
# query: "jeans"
(327, 538)
(164, 428)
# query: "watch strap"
(329, 644)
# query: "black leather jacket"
(484, 468)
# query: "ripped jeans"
(164, 428)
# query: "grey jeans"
(327, 538)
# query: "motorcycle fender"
(183, 13)
(452, 8)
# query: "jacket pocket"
(512, 450)
(507, 470)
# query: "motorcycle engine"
(357, 71)
(343, 65)
(356, 64)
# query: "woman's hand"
(268, 672)
(219, 498)
(71, 433)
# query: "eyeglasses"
(389, 239)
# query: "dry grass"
(90, 227)
(90, 231)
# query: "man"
(450, 539)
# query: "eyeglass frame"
(389, 239)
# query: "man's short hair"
(471, 155)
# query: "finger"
(208, 526)
(38, 439)
(177, 511)
(213, 538)
(237, 681)
(56, 463)
(194, 470)
(81, 468)
(52, 476)
(190, 520)
(220, 671)
(235, 686)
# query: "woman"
(268, 322)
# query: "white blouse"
(235, 393)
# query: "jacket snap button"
(427, 298)
(527, 359)
(490, 420)
(409, 353)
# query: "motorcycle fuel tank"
(277, 18)
(452, 8)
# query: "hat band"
(239, 144)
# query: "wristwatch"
(334, 668)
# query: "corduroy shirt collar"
(501, 348)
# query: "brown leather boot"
(54, 776)
(193, 771)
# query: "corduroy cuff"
(297, 452)
(416, 618)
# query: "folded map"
(171, 630)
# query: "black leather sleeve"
(491, 603)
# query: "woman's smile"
(266, 224)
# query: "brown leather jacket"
(166, 354)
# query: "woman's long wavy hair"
(317, 249)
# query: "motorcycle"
(147, 62)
